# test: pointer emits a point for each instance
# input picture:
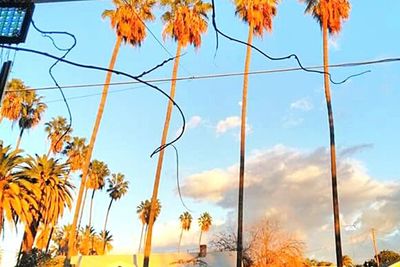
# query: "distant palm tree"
(98, 172)
(330, 15)
(32, 109)
(186, 221)
(347, 261)
(76, 151)
(185, 22)
(55, 196)
(18, 195)
(205, 222)
(143, 210)
(57, 128)
(103, 243)
(128, 20)
(117, 188)
(258, 15)
(87, 234)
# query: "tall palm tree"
(16, 92)
(32, 109)
(56, 128)
(76, 151)
(55, 194)
(330, 15)
(128, 20)
(18, 195)
(205, 222)
(185, 22)
(186, 221)
(98, 172)
(143, 210)
(117, 188)
(258, 15)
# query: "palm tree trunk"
(71, 241)
(91, 208)
(141, 238)
(332, 145)
(180, 240)
(147, 247)
(83, 208)
(19, 139)
(105, 225)
(49, 240)
(239, 255)
(201, 233)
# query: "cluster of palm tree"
(88, 241)
(36, 190)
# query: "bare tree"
(265, 245)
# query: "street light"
(15, 17)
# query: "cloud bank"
(295, 187)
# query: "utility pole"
(375, 246)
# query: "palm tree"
(18, 195)
(15, 93)
(185, 22)
(98, 172)
(76, 151)
(87, 234)
(55, 195)
(103, 242)
(258, 15)
(205, 222)
(143, 210)
(117, 188)
(330, 15)
(57, 128)
(347, 261)
(31, 112)
(186, 221)
(128, 21)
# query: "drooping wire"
(219, 32)
(85, 66)
(47, 34)
(177, 179)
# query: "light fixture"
(15, 17)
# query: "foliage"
(334, 11)
(76, 152)
(129, 17)
(257, 13)
(143, 210)
(18, 194)
(57, 128)
(186, 220)
(55, 194)
(186, 20)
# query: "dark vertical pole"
(5, 70)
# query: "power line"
(225, 75)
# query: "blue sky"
(286, 117)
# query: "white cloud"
(227, 124)
(295, 187)
(302, 104)
(194, 122)
(230, 123)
